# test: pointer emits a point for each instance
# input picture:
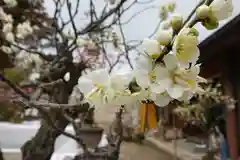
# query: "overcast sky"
(143, 25)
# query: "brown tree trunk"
(41, 146)
(1, 154)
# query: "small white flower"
(7, 27)
(67, 77)
(176, 80)
(143, 71)
(221, 9)
(2, 13)
(6, 49)
(164, 37)
(10, 37)
(185, 46)
(6, 18)
(34, 76)
(22, 55)
(10, 3)
(35, 58)
(24, 29)
(93, 86)
(35, 27)
(160, 99)
(152, 48)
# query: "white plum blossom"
(93, 86)
(185, 46)
(164, 36)
(67, 77)
(6, 49)
(10, 37)
(166, 71)
(174, 79)
(6, 18)
(160, 99)
(25, 59)
(103, 89)
(143, 71)
(221, 9)
(34, 76)
(10, 3)
(24, 29)
(152, 48)
(7, 27)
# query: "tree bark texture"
(41, 146)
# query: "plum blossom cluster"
(167, 69)
(10, 33)
(14, 34)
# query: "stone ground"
(130, 151)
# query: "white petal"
(120, 81)
(195, 70)
(110, 93)
(161, 73)
(176, 91)
(85, 85)
(171, 61)
(164, 37)
(195, 58)
(186, 96)
(144, 62)
(67, 77)
(151, 46)
(142, 78)
(161, 100)
(156, 88)
(99, 76)
(201, 80)
(221, 9)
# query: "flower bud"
(163, 12)
(165, 25)
(164, 37)
(194, 32)
(67, 77)
(176, 21)
(202, 12)
(152, 48)
(210, 23)
(171, 7)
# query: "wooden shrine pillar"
(231, 122)
(231, 84)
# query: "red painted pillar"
(231, 122)
(231, 134)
